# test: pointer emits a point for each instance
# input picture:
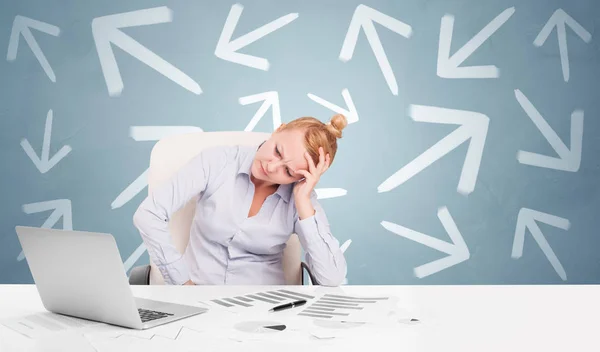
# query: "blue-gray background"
(304, 59)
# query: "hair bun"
(337, 123)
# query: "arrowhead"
(270, 100)
(350, 113)
(227, 49)
(528, 219)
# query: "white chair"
(171, 153)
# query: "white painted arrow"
(364, 17)
(528, 219)
(448, 66)
(22, 25)
(560, 19)
(324, 193)
(474, 126)
(350, 113)
(270, 100)
(106, 31)
(61, 207)
(44, 163)
(227, 49)
(568, 160)
(147, 133)
(343, 248)
(457, 251)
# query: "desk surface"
(453, 318)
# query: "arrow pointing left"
(106, 31)
(61, 207)
(22, 25)
(44, 163)
(227, 49)
(448, 66)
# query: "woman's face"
(277, 160)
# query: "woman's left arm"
(323, 254)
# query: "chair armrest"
(310, 274)
(140, 275)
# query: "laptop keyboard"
(148, 315)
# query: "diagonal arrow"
(22, 25)
(43, 162)
(528, 219)
(473, 126)
(106, 31)
(448, 66)
(270, 100)
(560, 19)
(568, 160)
(227, 49)
(364, 17)
(350, 113)
(61, 207)
(147, 133)
(457, 251)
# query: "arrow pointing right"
(473, 126)
(23, 25)
(350, 113)
(457, 251)
(560, 19)
(269, 99)
(61, 207)
(106, 31)
(568, 160)
(528, 219)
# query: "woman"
(251, 199)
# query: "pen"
(288, 305)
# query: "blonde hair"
(318, 134)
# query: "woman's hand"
(303, 189)
(189, 283)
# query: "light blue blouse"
(225, 246)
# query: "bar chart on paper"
(349, 308)
(260, 299)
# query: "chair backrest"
(171, 153)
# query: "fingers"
(311, 164)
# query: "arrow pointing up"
(457, 251)
(61, 207)
(106, 32)
(22, 25)
(568, 160)
(448, 66)
(528, 219)
(559, 20)
(473, 126)
(227, 49)
(364, 17)
(44, 163)
(269, 99)
(350, 113)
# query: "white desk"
(453, 318)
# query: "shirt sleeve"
(152, 216)
(324, 257)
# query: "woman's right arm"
(153, 215)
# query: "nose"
(273, 165)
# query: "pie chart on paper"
(260, 327)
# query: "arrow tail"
(380, 56)
(262, 31)
(469, 48)
(325, 193)
(39, 55)
(131, 191)
(47, 137)
(548, 252)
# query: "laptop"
(80, 274)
